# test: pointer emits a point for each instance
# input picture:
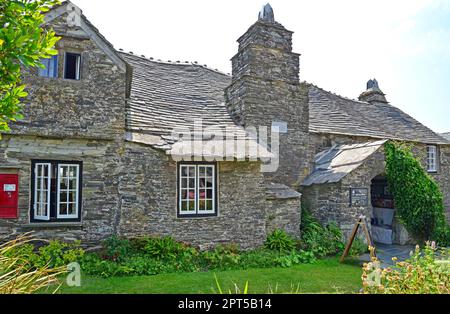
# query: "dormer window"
(51, 67)
(72, 65)
(432, 158)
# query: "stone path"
(386, 252)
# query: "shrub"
(163, 248)
(320, 240)
(222, 257)
(417, 197)
(150, 256)
(116, 249)
(426, 271)
(57, 253)
(280, 241)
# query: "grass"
(325, 276)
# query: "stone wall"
(93, 106)
(74, 120)
(100, 200)
(284, 214)
(149, 202)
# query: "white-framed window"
(72, 66)
(67, 191)
(56, 191)
(432, 158)
(197, 189)
(51, 67)
(42, 185)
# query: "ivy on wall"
(418, 199)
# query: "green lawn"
(325, 276)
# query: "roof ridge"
(334, 94)
(185, 63)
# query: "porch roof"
(334, 164)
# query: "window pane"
(72, 196)
(191, 206)
(183, 194)
(51, 67)
(72, 172)
(209, 205)
(183, 171)
(63, 197)
(202, 194)
(201, 171)
(73, 184)
(192, 194)
(72, 66)
(184, 205)
(201, 205)
(192, 183)
(191, 171)
(209, 172)
(209, 193)
(63, 209)
(63, 183)
(63, 171)
(71, 209)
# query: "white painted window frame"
(432, 158)
(41, 177)
(58, 192)
(197, 188)
(213, 210)
(187, 212)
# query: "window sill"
(193, 216)
(52, 224)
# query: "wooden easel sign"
(360, 222)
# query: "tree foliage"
(23, 43)
(418, 199)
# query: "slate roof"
(334, 164)
(280, 191)
(331, 113)
(446, 136)
(166, 96)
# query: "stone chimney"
(265, 51)
(265, 90)
(373, 93)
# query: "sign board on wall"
(359, 196)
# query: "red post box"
(9, 195)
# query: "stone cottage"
(116, 143)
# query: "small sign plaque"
(359, 197)
(9, 187)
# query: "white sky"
(404, 44)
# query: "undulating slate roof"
(331, 113)
(167, 96)
(446, 136)
(334, 164)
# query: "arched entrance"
(383, 211)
